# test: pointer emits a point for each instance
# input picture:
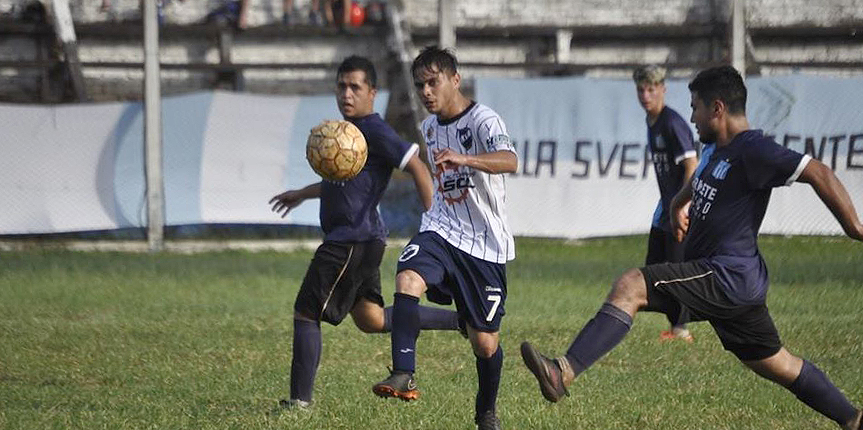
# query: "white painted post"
(153, 129)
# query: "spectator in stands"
(231, 12)
(290, 13)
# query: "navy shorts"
(340, 275)
(662, 247)
(478, 287)
(692, 287)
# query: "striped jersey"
(469, 206)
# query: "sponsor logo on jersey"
(493, 289)
(465, 137)
(453, 187)
(501, 139)
(721, 169)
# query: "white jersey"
(469, 207)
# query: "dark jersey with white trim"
(730, 193)
(670, 142)
(349, 210)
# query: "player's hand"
(284, 202)
(680, 222)
(449, 159)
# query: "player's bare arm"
(489, 162)
(284, 202)
(422, 180)
(835, 197)
(680, 211)
(689, 166)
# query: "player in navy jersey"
(464, 242)
(724, 279)
(674, 160)
(344, 275)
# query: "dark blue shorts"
(478, 287)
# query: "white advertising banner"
(81, 167)
(584, 171)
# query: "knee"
(410, 282)
(629, 290)
(370, 326)
(485, 345)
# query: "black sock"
(406, 329)
(488, 371)
(306, 356)
(599, 335)
(430, 319)
(815, 389)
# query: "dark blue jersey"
(670, 142)
(349, 210)
(730, 193)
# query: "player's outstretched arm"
(680, 211)
(284, 202)
(489, 162)
(422, 179)
(835, 197)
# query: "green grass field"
(162, 341)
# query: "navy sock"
(815, 389)
(306, 356)
(430, 319)
(406, 329)
(488, 371)
(599, 335)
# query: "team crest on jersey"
(409, 252)
(430, 133)
(721, 169)
(465, 137)
(659, 142)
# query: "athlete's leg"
(611, 323)
(809, 384)
(306, 355)
(370, 317)
(600, 335)
(406, 324)
(489, 365)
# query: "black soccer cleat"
(487, 421)
(399, 385)
(547, 371)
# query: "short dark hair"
(436, 59)
(356, 63)
(721, 83)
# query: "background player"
(464, 241)
(724, 279)
(674, 160)
(344, 275)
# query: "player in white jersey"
(464, 242)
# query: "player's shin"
(406, 329)
(599, 336)
(818, 392)
(305, 360)
(488, 372)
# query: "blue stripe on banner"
(184, 125)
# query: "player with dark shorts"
(674, 160)
(724, 279)
(464, 242)
(344, 276)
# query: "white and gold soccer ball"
(336, 150)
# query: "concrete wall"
(484, 52)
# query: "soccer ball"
(336, 150)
